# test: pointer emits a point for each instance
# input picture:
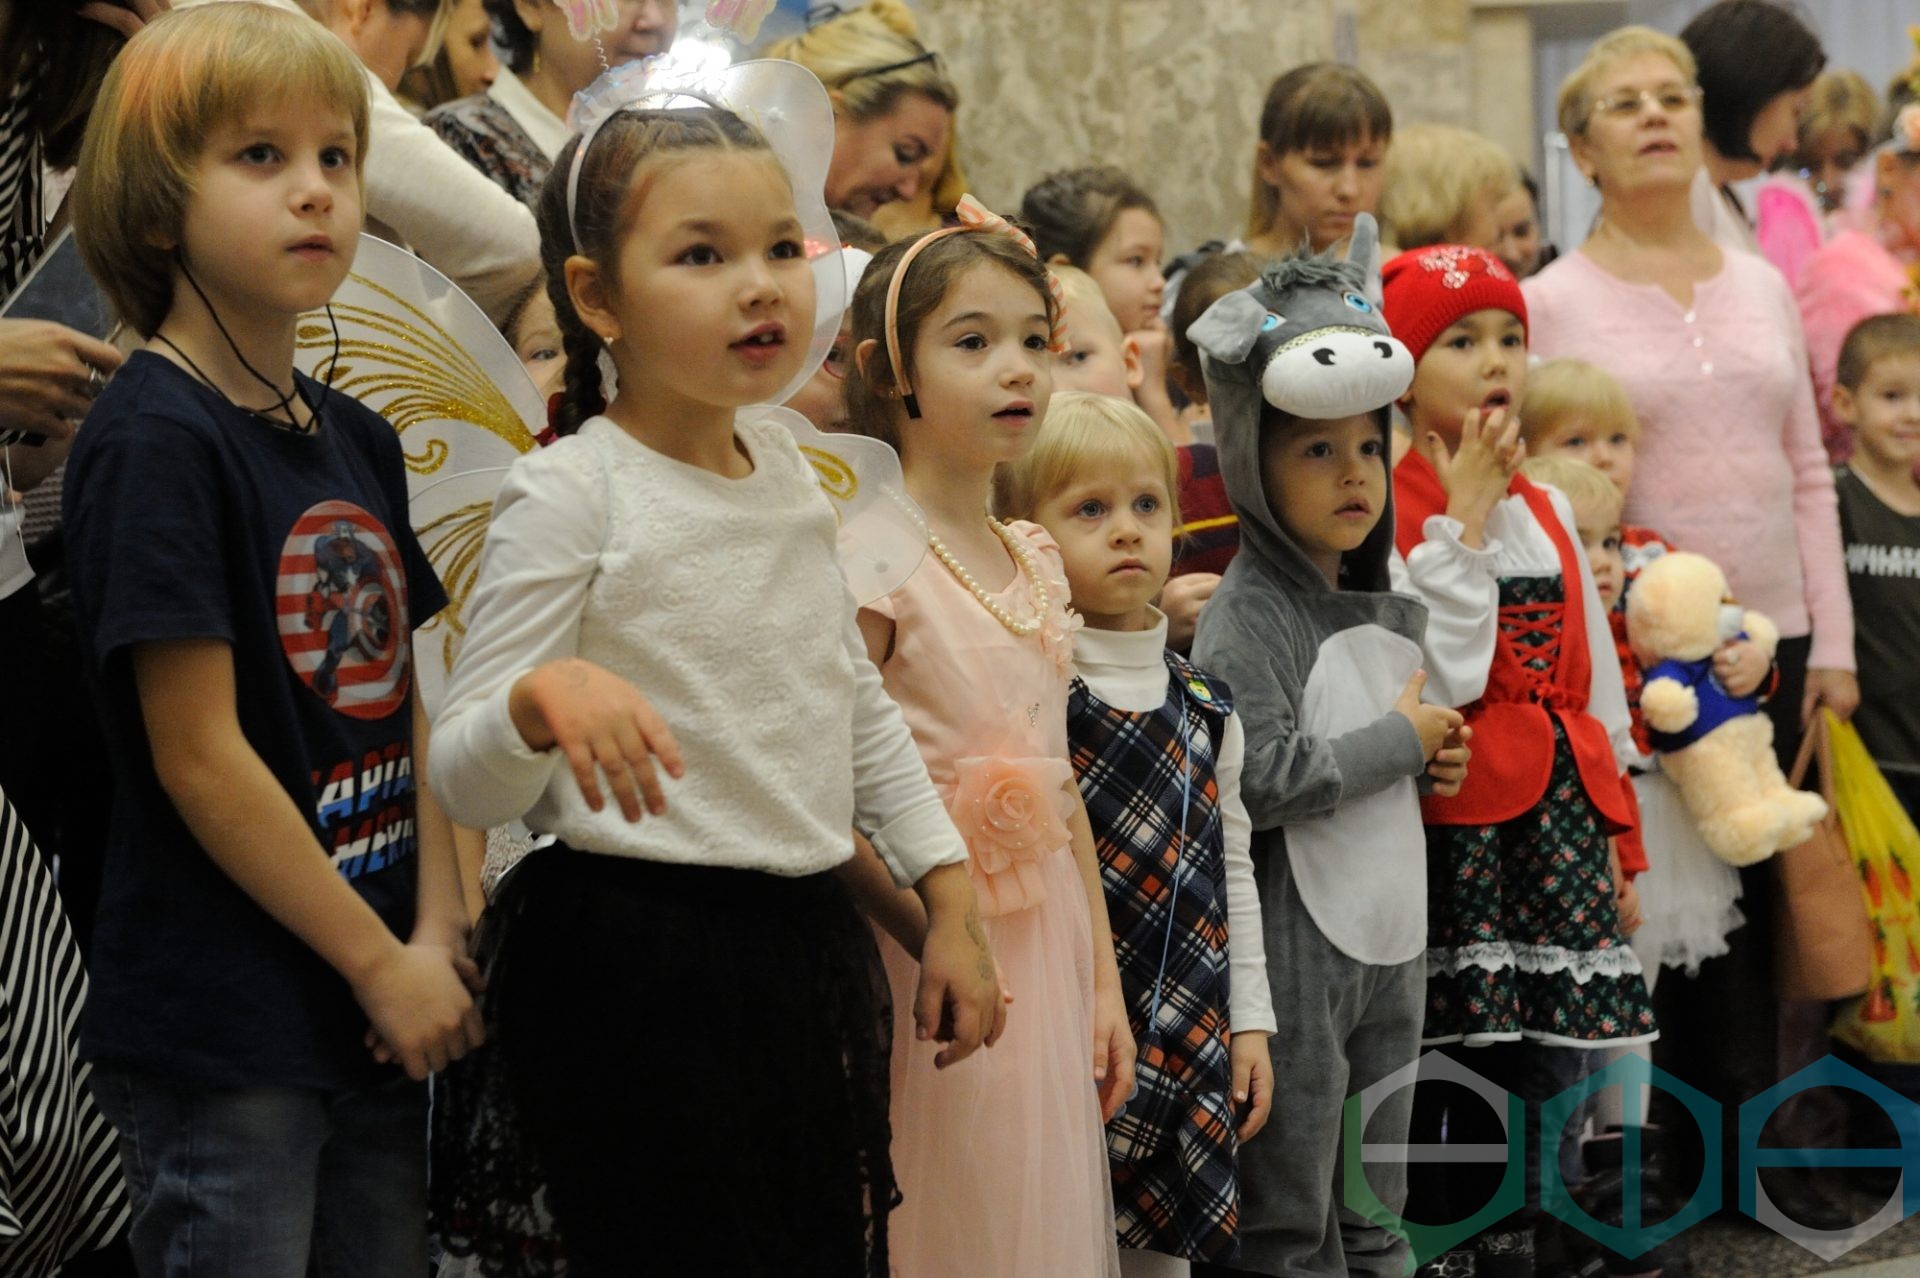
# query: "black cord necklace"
(283, 400)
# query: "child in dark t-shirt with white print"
(280, 920)
(1877, 394)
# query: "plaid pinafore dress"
(1172, 1148)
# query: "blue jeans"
(271, 1182)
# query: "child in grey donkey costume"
(1318, 667)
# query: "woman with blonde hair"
(1444, 185)
(893, 104)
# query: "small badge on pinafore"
(1199, 690)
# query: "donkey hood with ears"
(1306, 339)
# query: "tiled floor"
(1744, 1250)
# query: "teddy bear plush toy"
(1718, 748)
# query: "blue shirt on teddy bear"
(1717, 705)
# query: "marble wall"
(1171, 89)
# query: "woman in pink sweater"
(1707, 343)
(1867, 267)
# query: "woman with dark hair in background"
(512, 131)
(1757, 63)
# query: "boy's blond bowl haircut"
(1574, 107)
(186, 74)
(1561, 388)
(1435, 176)
(1083, 297)
(845, 50)
(1082, 429)
(1586, 488)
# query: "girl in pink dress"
(1001, 1159)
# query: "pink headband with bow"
(974, 216)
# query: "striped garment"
(1209, 531)
(22, 216)
(60, 1187)
(1172, 1149)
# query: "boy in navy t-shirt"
(281, 914)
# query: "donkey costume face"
(1308, 335)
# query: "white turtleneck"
(1124, 668)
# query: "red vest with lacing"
(1512, 733)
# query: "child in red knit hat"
(1529, 977)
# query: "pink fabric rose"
(1011, 812)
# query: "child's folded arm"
(1251, 1001)
(542, 550)
(1607, 691)
(1461, 589)
(1290, 775)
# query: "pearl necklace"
(1022, 556)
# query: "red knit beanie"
(1427, 289)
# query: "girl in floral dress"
(1001, 1159)
(1529, 977)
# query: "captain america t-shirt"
(188, 518)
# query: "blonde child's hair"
(848, 50)
(1435, 176)
(1586, 488)
(1560, 388)
(1083, 429)
(1314, 106)
(184, 75)
(1574, 107)
(1083, 297)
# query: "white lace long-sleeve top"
(721, 600)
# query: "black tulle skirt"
(686, 1072)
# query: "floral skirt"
(1523, 937)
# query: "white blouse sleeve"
(451, 214)
(894, 802)
(1251, 1000)
(543, 547)
(1461, 588)
(1607, 695)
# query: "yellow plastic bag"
(1883, 1023)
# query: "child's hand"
(1252, 1080)
(1477, 473)
(1627, 901)
(422, 1008)
(602, 724)
(1113, 1048)
(961, 1000)
(1449, 766)
(1181, 599)
(1740, 666)
(1433, 723)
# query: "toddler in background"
(1877, 395)
(1209, 534)
(1099, 358)
(1158, 751)
(821, 399)
(1101, 221)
